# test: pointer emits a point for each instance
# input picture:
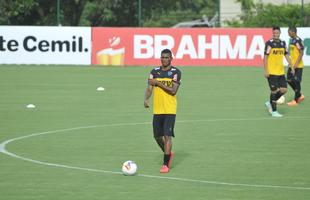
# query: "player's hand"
(266, 74)
(153, 82)
(293, 70)
(146, 104)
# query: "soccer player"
(294, 73)
(165, 81)
(275, 49)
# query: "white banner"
(304, 34)
(45, 45)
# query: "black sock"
(297, 90)
(166, 159)
(273, 101)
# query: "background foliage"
(160, 13)
(103, 12)
(267, 15)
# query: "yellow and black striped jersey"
(295, 45)
(164, 103)
(275, 49)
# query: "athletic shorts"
(296, 77)
(163, 124)
(277, 81)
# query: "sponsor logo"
(32, 43)
(166, 82)
(197, 47)
(278, 51)
(112, 55)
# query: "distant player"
(275, 49)
(165, 81)
(294, 73)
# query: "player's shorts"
(296, 77)
(163, 124)
(277, 81)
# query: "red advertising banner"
(190, 47)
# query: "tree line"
(162, 13)
(159, 13)
(268, 15)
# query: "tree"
(110, 13)
(15, 12)
(161, 13)
(268, 15)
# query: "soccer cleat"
(292, 103)
(276, 114)
(301, 98)
(170, 160)
(268, 106)
(164, 169)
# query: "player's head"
(166, 57)
(292, 31)
(276, 32)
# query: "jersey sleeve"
(267, 48)
(285, 48)
(177, 77)
(299, 44)
(152, 73)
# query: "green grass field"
(227, 145)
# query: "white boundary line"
(4, 151)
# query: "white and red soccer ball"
(129, 168)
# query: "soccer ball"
(281, 100)
(129, 168)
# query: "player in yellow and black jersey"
(164, 81)
(294, 73)
(275, 50)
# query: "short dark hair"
(292, 29)
(276, 28)
(166, 51)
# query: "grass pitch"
(227, 146)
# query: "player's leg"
(168, 134)
(158, 131)
(290, 79)
(271, 84)
(275, 93)
(298, 78)
(274, 96)
(282, 84)
(168, 147)
(161, 143)
(296, 81)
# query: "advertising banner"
(191, 47)
(45, 45)
(138, 46)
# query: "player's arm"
(266, 73)
(266, 55)
(170, 90)
(288, 59)
(301, 53)
(147, 95)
